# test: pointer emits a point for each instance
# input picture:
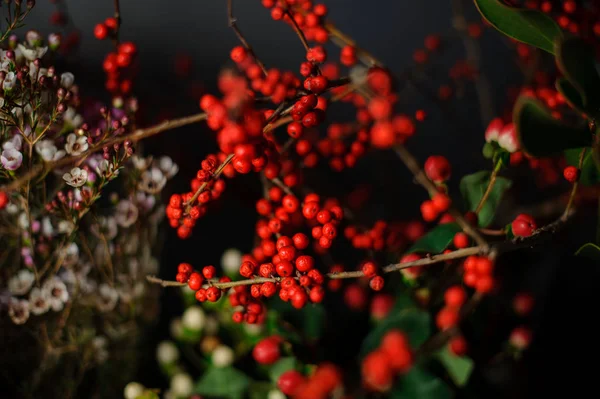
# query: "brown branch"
(575, 186)
(135, 136)
(411, 163)
(489, 188)
(214, 177)
(242, 39)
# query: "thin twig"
(215, 176)
(490, 187)
(236, 29)
(575, 186)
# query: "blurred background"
(194, 35)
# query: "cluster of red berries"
(120, 69)
(438, 204)
(196, 281)
(393, 356)
(335, 147)
(449, 316)
(523, 226)
(382, 235)
(478, 273)
(4, 199)
(321, 384)
(309, 18)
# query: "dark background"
(566, 287)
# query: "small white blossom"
(231, 260)
(127, 213)
(72, 117)
(76, 145)
(181, 385)
(145, 201)
(47, 228)
(33, 38)
(11, 159)
(193, 318)
(71, 254)
(133, 390)
(100, 343)
(67, 79)
(48, 151)
(32, 53)
(222, 356)
(153, 180)
(167, 166)
(107, 298)
(141, 163)
(21, 283)
(106, 168)
(65, 227)
(16, 142)
(18, 310)
(23, 221)
(167, 352)
(106, 225)
(39, 302)
(275, 394)
(76, 178)
(9, 81)
(57, 293)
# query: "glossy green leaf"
(436, 240)
(577, 61)
(473, 187)
(225, 382)
(590, 170)
(281, 366)
(570, 93)
(420, 384)
(416, 324)
(589, 251)
(458, 367)
(525, 25)
(540, 134)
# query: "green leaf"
(527, 26)
(473, 187)
(459, 367)
(437, 239)
(281, 366)
(420, 384)
(414, 323)
(226, 382)
(570, 93)
(577, 61)
(590, 170)
(260, 390)
(589, 251)
(310, 320)
(542, 135)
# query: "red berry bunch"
(393, 356)
(478, 273)
(196, 281)
(308, 17)
(321, 384)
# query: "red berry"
(571, 173)
(209, 272)
(484, 284)
(239, 54)
(461, 240)
(213, 294)
(455, 296)
(458, 346)
(300, 240)
(284, 268)
(369, 269)
(446, 318)
(195, 281)
(289, 382)
(185, 268)
(429, 211)
(437, 168)
(381, 305)
(441, 202)
(523, 304)
(520, 337)
(396, 346)
(523, 226)
(267, 351)
(377, 371)
(376, 283)
(305, 263)
(100, 31)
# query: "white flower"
(47, 228)
(182, 385)
(141, 163)
(39, 302)
(9, 81)
(253, 329)
(23, 221)
(100, 343)
(76, 145)
(106, 225)
(106, 168)
(67, 79)
(145, 201)
(167, 166)
(127, 213)
(72, 117)
(153, 180)
(231, 260)
(107, 298)
(167, 352)
(65, 227)
(275, 394)
(133, 390)
(222, 356)
(32, 53)
(71, 254)
(48, 151)
(15, 142)
(57, 293)
(11, 159)
(33, 38)
(358, 75)
(193, 318)
(54, 40)
(18, 310)
(76, 178)
(21, 283)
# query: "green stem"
(490, 186)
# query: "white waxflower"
(18, 310)
(33, 38)
(107, 225)
(106, 168)
(76, 178)
(253, 329)
(231, 260)
(275, 394)
(23, 221)
(71, 254)
(65, 227)
(107, 298)
(222, 356)
(152, 181)
(167, 166)
(39, 302)
(76, 145)
(358, 75)
(127, 213)
(181, 385)
(141, 163)
(57, 293)
(9, 81)
(72, 117)
(67, 79)
(15, 142)
(167, 352)
(21, 283)
(32, 53)
(145, 201)
(47, 228)
(11, 159)
(133, 390)
(48, 151)
(54, 40)
(100, 343)
(194, 318)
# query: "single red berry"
(458, 346)
(523, 226)
(520, 338)
(461, 240)
(441, 202)
(268, 289)
(376, 283)
(209, 272)
(446, 318)
(484, 266)
(429, 211)
(267, 350)
(290, 381)
(571, 173)
(455, 296)
(284, 268)
(437, 168)
(310, 209)
(300, 240)
(195, 281)
(317, 294)
(287, 253)
(213, 294)
(100, 31)
(485, 284)
(201, 295)
(111, 23)
(523, 303)
(247, 269)
(381, 305)
(377, 371)
(185, 268)
(182, 277)
(305, 263)
(396, 346)
(290, 203)
(369, 269)
(239, 54)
